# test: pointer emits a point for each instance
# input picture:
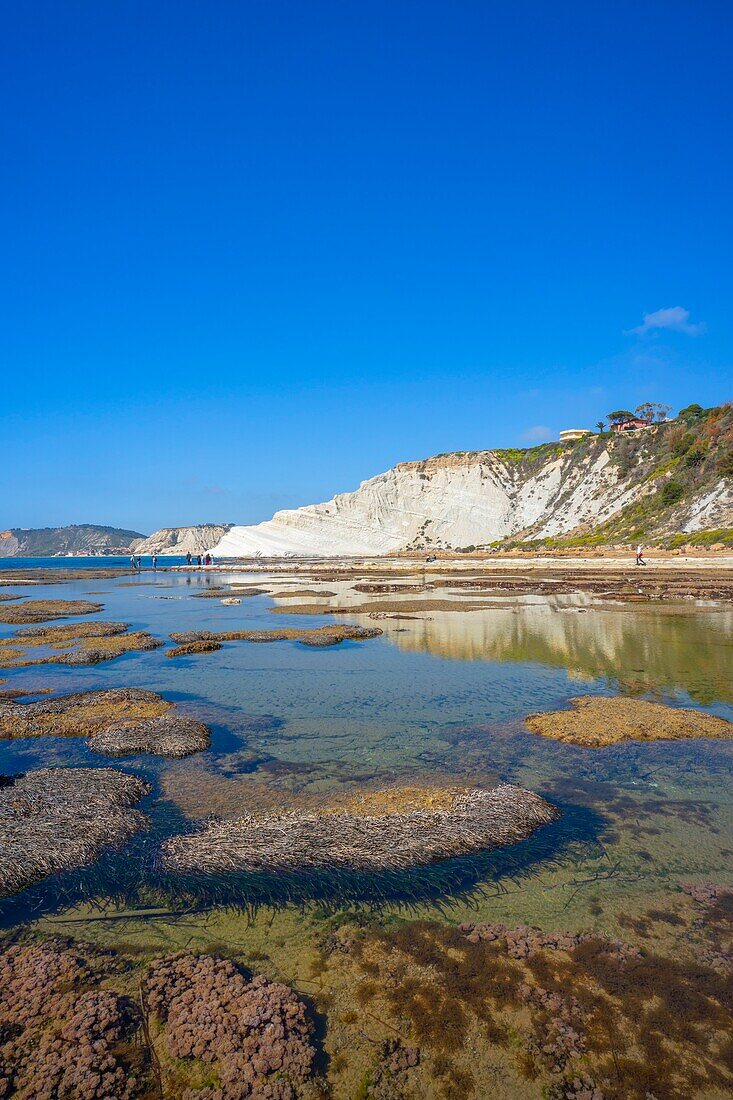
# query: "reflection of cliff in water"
(642, 647)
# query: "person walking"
(198, 560)
(132, 561)
(155, 561)
(639, 555)
(189, 558)
(139, 562)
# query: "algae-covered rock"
(169, 735)
(85, 643)
(39, 611)
(118, 722)
(81, 714)
(595, 722)
(64, 1036)
(255, 1032)
(190, 649)
(58, 819)
(319, 637)
(366, 837)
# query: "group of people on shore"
(137, 562)
(205, 560)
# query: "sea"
(436, 699)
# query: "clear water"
(437, 698)
(111, 561)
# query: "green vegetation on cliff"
(676, 462)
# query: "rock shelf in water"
(205, 641)
(596, 722)
(365, 838)
(59, 819)
(40, 611)
(168, 735)
(85, 643)
(117, 722)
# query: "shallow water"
(439, 698)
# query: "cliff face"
(45, 542)
(184, 540)
(662, 480)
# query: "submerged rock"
(366, 837)
(63, 1036)
(595, 722)
(256, 1033)
(168, 735)
(58, 819)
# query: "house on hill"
(632, 424)
(569, 434)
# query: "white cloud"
(538, 434)
(674, 319)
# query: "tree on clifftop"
(652, 410)
(619, 416)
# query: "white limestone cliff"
(466, 499)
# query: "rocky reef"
(365, 837)
(595, 722)
(58, 819)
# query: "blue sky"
(255, 253)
